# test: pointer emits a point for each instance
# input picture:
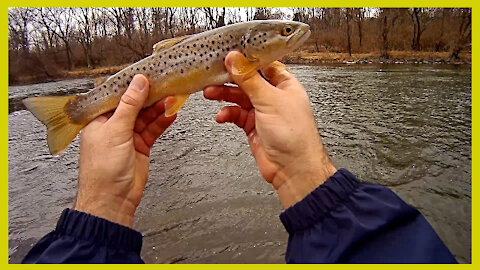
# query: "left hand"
(114, 155)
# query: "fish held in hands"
(177, 67)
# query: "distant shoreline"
(303, 57)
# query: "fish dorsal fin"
(167, 43)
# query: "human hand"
(279, 123)
(114, 155)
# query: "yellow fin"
(173, 104)
(98, 81)
(51, 112)
(243, 67)
(167, 43)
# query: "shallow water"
(404, 126)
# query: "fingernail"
(138, 83)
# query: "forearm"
(347, 221)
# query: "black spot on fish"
(175, 57)
(201, 55)
(104, 86)
(202, 46)
(211, 55)
(218, 54)
(264, 34)
(219, 36)
(138, 69)
(124, 74)
(151, 68)
(264, 40)
(170, 56)
(207, 67)
(188, 47)
(218, 47)
(213, 41)
(254, 38)
(115, 90)
(194, 45)
(190, 63)
(181, 71)
(180, 55)
(231, 36)
(95, 98)
(161, 70)
(186, 54)
(165, 63)
(144, 68)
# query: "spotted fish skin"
(181, 68)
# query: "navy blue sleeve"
(347, 221)
(83, 238)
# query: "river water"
(404, 126)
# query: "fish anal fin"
(174, 104)
(167, 43)
(51, 112)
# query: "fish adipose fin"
(167, 43)
(174, 104)
(51, 111)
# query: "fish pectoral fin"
(168, 43)
(243, 67)
(174, 104)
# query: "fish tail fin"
(51, 112)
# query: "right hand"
(281, 130)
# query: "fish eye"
(287, 30)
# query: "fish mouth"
(299, 38)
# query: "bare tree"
(18, 21)
(464, 33)
(83, 16)
(348, 15)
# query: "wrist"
(113, 208)
(295, 182)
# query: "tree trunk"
(349, 44)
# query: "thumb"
(244, 74)
(132, 101)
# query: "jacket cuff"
(323, 199)
(83, 226)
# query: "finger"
(256, 87)
(148, 115)
(277, 73)
(132, 102)
(156, 128)
(140, 145)
(238, 116)
(229, 94)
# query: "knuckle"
(130, 100)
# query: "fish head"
(270, 40)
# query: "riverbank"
(302, 57)
(395, 57)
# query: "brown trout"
(177, 67)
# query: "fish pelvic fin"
(174, 104)
(51, 112)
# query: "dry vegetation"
(54, 43)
